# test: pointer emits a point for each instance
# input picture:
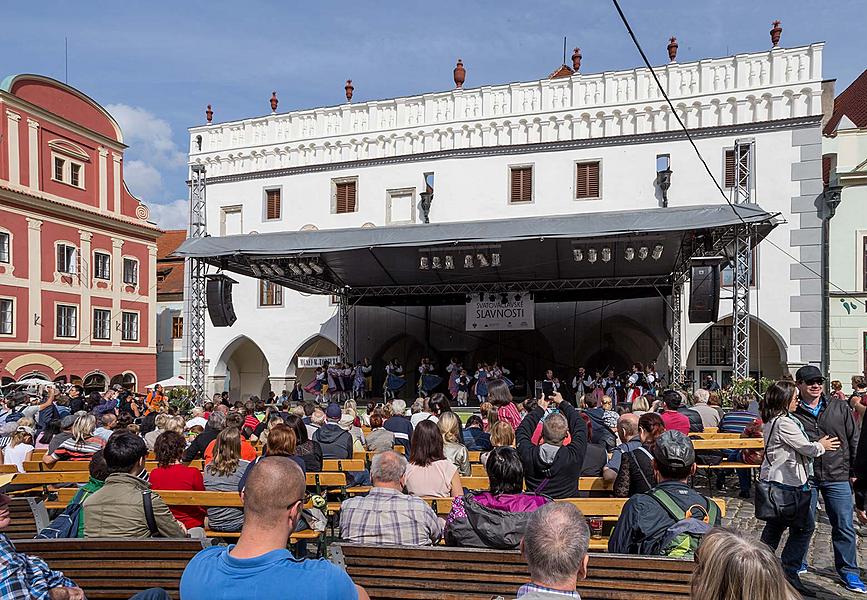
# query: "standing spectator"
(837, 390)
(627, 432)
(305, 448)
(118, 508)
(216, 422)
(80, 445)
(429, 473)
(709, 416)
(860, 470)
(475, 437)
(670, 414)
(644, 522)
(500, 396)
(452, 448)
(858, 399)
(399, 425)
(710, 384)
(553, 468)
(224, 474)
(636, 475)
(555, 548)
(829, 417)
(379, 439)
(259, 565)
(387, 515)
(171, 474)
(336, 442)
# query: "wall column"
(116, 289)
(84, 271)
(33, 153)
(103, 179)
(34, 281)
(12, 147)
(116, 187)
(152, 299)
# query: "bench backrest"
(117, 568)
(343, 464)
(35, 466)
(591, 507)
(405, 573)
(23, 520)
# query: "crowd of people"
(534, 453)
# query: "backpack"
(64, 525)
(683, 537)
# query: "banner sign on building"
(311, 362)
(486, 315)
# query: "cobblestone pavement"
(821, 578)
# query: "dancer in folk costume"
(498, 372)
(358, 383)
(582, 383)
(611, 385)
(333, 377)
(427, 380)
(367, 373)
(637, 383)
(319, 385)
(462, 385)
(394, 379)
(346, 379)
(481, 387)
(453, 371)
(598, 387)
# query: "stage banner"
(486, 315)
(311, 362)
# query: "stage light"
(577, 254)
(450, 262)
(642, 252)
(296, 270)
(495, 259)
(307, 270)
(481, 296)
(491, 298)
(256, 270)
(504, 299)
(437, 262)
(517, 297)
(423, 263)
(317, 268)
(606, 254)
(278, 270)
(657, 251)
(468, 261)
(483, 260)
(591, 255)
(629, 254)
(468, 299)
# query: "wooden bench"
(729, 444)
(36, 466)
(27, 517)
(114, 568)
(343, 464)
(415, 573)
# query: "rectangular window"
(272, 205)
(177, 328)
(345, 196)
(400, 207)
(67, 321)
(727, 272)
(58, 168)
(129, 326)
(75, 174)
(231, 220)
(4, 247)
(130, 271)
(587, 180)
(66, 258)
(520, 184)
(714, 346)
(101, 265)
(101, 324)
(270, 293)
(7, 314)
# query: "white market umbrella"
(30, 382)
(171, 382)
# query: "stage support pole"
(343, 326)
(194, 323)
(676, 340)
(742, 194)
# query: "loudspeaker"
(704, 293)
(219, 296)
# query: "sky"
(156, 65)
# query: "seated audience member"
(738, 419)
(379, 439)
(98, 472)
(671, 416)
(26, 576)
(223, 474)
(453, 450)
(347, 423)
(475, 436)
(734, 568)
(555, 548)
(387, 515)
(216, 422)
(197, 417)
(502, 434)
(601, 432)
(281, 442)
(709, 416)
(117, 509)
(646, 518)
(248, 451)
(260, 565)
(748, 425)
(640, 406)
(501, 398)
(336, 442)
(595, 456)
(636, 475)
(610, 416)
(498, 518)
(20, 447)
(553, 468)
(305, 448)
(171, 474)
(627, 433)
(695, 422)
(150, 437)
(108, 424)
(81, 445)
(317, 420)
(399, 424)
(66, 424)
(429, 472)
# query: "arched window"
(95, 382)
(127, 380)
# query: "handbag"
(778, 502)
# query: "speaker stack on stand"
(218, 291)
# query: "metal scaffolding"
(196, 269)
(343, 326)
(676, 332)
(742, 194)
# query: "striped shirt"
(386, 516)
(736, 421)
(84, 450)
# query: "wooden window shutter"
(345, 201)
(730, 169)
(521, 185)
(272, 210)
(587, 180)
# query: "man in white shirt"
(197, 417)
(709, 415)
(109, 421)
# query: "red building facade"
(77, 253)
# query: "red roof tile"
(170, 270)
(169, 241)
(852, 103)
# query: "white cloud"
(148, 136)
(170, 215)
(143, 179)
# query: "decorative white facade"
(470, 139)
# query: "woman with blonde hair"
(452, 448)
(730, 567)
(640, 406)
(20, 447)
(81, 446)
(223, 474)
(502, 434)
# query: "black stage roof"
(556, 256)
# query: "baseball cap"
(67, 421)
(674, 449)
(808, 373)
(333, 411)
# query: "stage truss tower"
(742, 194)
(196, 270)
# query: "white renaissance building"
(571, 144)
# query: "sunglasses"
(815, 382)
